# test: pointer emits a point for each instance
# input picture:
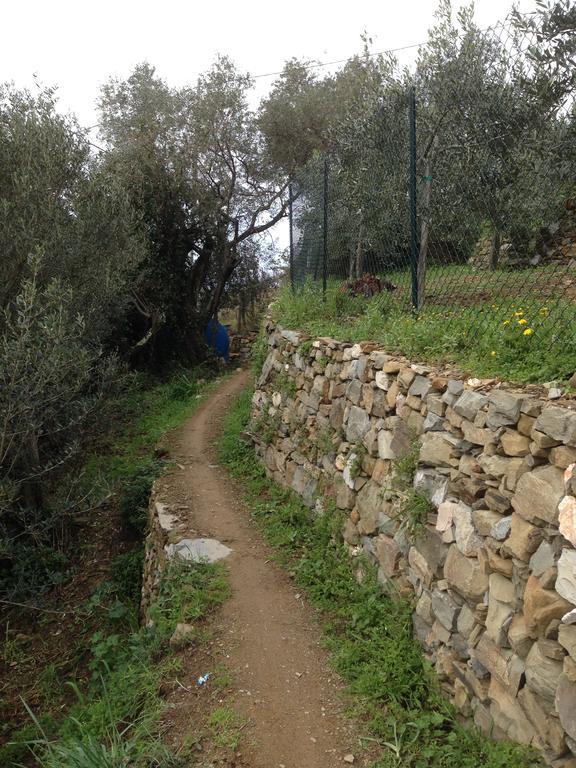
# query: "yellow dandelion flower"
(518, 314)
(528, 332)
(522, 322)
(493, 353)
(506, 322)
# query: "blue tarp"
(216, 336)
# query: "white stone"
(166, 519)
(566, 581)
(567, 519)
(198, 550)
(347, 474)
(382, 380)
(445, 515)
(467, 540)
(356, 351)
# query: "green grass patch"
(114, 719)
(144, 414)
(368, 630)
(521, 338)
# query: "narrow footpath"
(265, 635)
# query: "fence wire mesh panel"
(495, 185)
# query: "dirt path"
(266, 634)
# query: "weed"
(358, 452)
(259, 352)
(405, 466)
(326, 442)
(368, 632)
(226, 726)
(481, 337)
(126, 574)
(115, 718)
(284, 383)
(413, 513)
(266, 425)
(135, 495)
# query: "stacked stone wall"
(491, 567)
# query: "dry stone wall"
(492, 568)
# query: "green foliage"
(116, 721)
(413, 513)
(266, 425)
(359, 452)
(135, 496)
(486, 340)
(284, 383)
(326, 442)
(259, 351)
(405, 466)
(226, 725)
(368, 631)
(126, 574)
(32, 569)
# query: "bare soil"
(266, 637)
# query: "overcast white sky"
(78, 44)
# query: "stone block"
(542, 559)
(499, 564)
(525, 424)
(523, 540)
(497, 501)
(466, 621)
(503, 408)
(567, 638)
(509, 715)
(541, 606)
(420, 386)
(420, 567)
(465, 575)
(387, 553)
(562, 456)
(477, 435)
(514, 444)
(501, 599)
(542, 673)
(394, 443)
(357, 425)
(372, 508)
(436, 449)
(469, 403)
(432, 484)
(518, 636)
(558, 423)
(484, 520)
(566, 581)
(445, 609)
(538, 494)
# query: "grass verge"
(519, 339)
(368, 630)
(104, 711)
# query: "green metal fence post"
(413, 202)
(291, 225)
(325, 232)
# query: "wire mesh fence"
(452, 183)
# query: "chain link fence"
(453, 182)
